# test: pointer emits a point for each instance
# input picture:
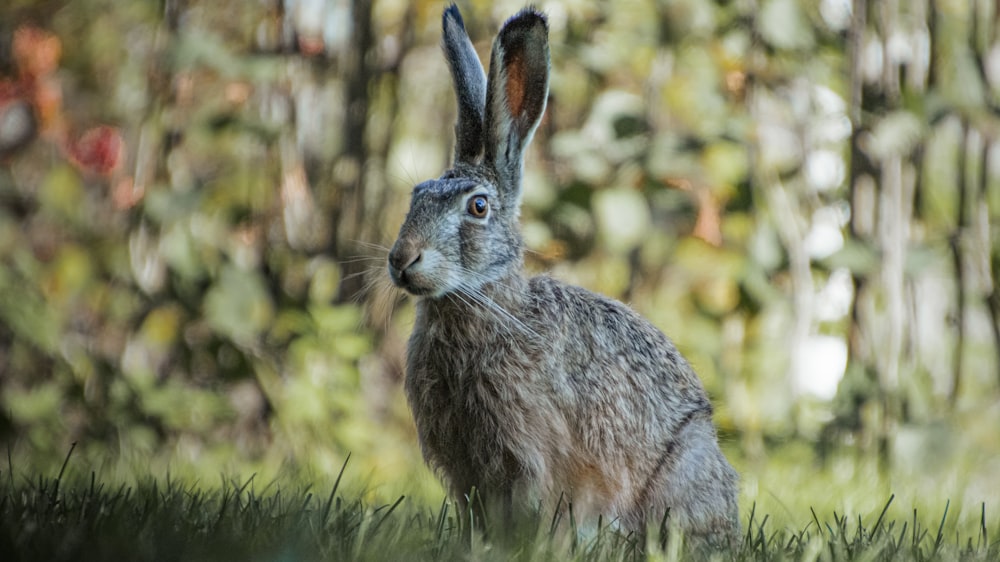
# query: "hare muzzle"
(404, 256)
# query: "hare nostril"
(414, 260)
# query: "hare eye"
(478, 206)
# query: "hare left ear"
(516, 92)
(469, 81)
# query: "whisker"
(359, 259)
(407, 179)
(371, 245)
(498, 312)
(481, 307)
(368, 272)
(355, 275)
(460, 294)
(376, 275)
(478, 307)
(384, 299)
(517, 322)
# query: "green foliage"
(192, 241)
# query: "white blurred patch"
(993, 65)
(833, 302)
(871, 59)
(818, 365)
(830, 123)
(780, 147)
(825, 236)
(836, 13)
(825, 170)
(828, 101)
(901, 47)
(623, 218)
(338, 28)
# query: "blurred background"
(196, 199)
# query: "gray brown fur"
(529, 390)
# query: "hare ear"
(470, 86)
(516, 93)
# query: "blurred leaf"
(238, 304)
(921, 258)
(718, 295)
(38, 404)
(290, 323)
(858, 257)
(623, 218)
(669, 157)
(202, 49)
(350, 346)
(69, 273)
(894, 135)
(725, 165)
(25, 312)
(703, 260)
(161, 326)
(783, 25)
(181, 252)
(759, 287)
(183, 408)
(608, 274)
(693, 96)
(62, 192)
(325, 280)
(765, 247)
(166, 206)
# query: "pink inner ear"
(515, 83)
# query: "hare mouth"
(416, 284)
(418, 290)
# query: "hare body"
(529, 390)
(596, 405)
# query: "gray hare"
(526, 389)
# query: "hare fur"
(527, 389)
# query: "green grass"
(62, 518)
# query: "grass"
(61, 518)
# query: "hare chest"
(488, 418)
(483, 417)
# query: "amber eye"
(478, 206)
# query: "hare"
(526, 389)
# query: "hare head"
(462, 229)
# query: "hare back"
(579, 396)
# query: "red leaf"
(99, 150)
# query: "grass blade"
(333, 492)
(940, 533)
(881, 516)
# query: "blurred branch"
(350, 170)
(980, 46)
(992, 297)
(859, 167)
(955, 241)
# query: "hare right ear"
(470, 86)
(515, 94)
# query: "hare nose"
(402, 257)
